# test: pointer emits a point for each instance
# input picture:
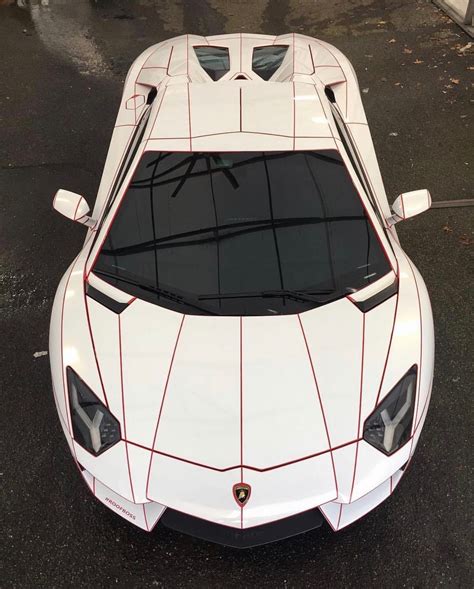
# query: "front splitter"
(242, 538)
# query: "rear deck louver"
(213, 60)
(266, 60)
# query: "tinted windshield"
(241, 233)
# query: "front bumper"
(147, 515)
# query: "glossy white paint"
(411, 203)
(206, 402)
(144, 516)
(200, 416)
(71, 205)
(281, 413)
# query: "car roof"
(240, 110)
(240, 115)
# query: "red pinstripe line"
(403, 206)
(235, 132)
(391, 485)
(75, 212)
(240, 104)
(240, 68)
(187, 56)
(427, 400)
(361, 373)
(354, 471)
(169, 61)
(93, 342)
(312, 59)
(93, 485)
(241, 398)
(421, 343)
(365, 167)
(328, 116)
(418, 425)
(360, 405)
(61, 417)
(125, 125)
(146, 520)
(189, 119)
(369, 214)
(66, 403)
(320, 402)
(157, 112)
(149, 57)
(120, 200)
(241, 421)
(113, 179)
(339, 518)
(342, 70)
(123, 406)
(241, 466)
(389, 344)
(153, 67)
(294, 49)
(134, 102)
(294, 116)
(163, 401)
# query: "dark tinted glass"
(266, 60)
(216, 230)
(214, 60)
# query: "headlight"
(93, 426)
(389, 426)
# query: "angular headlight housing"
(93, 426)
(389, 426)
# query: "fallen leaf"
(382, 22)
(392, 41)
(447, 229)
(365, 90)
(465, 239)
(465, 48)
(39, 354)
(449, 86)
(417, 61)
(471, 67)
(406, 50)
(397, 83)
(454, 80)
(393, 134)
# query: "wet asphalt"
(62, 66)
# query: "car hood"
(207, 402)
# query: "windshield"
(241, 233)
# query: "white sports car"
(242, 350)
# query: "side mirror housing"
(410, 204)
(73, 206)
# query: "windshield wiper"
(172, 296)
(298, 295)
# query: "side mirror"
(73, 206)
(410, 204)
